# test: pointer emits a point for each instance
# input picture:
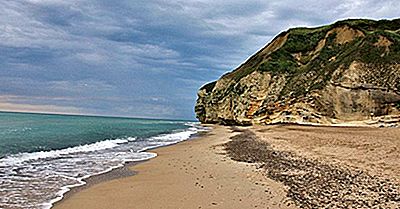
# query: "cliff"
(341, 73)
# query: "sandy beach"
(282, 166)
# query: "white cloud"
(121, 53)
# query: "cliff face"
(347, 71)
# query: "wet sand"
(192, 174)
(258, 167)
(117, 173)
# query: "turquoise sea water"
(42, 156)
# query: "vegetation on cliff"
(347, 71)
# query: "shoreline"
(203, 172)
(117, 173)
(191, 174)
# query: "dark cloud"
(141, 58)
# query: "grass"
(304, 40)
(372, 25)
(313, 72)
(281, 62)
(300, 69)
(369, 53)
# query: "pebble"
(314, 184)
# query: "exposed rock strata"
(346, 72)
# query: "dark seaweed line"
(311, 183)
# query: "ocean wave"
(23, 157)
(47, 176)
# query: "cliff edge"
(347, 72)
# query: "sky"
(142, 58)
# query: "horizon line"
(92, 115)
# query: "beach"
(280, 166)
(47, 155)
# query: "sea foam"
(39, 179)
(23, 157)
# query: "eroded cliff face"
(341, 73)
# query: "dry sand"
(191, 174)
(375, 150)
(199, 174)
(320, 179)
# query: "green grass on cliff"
(313, 71)
(369, 53)
(317, 72)
(304, 40)
(305, 70)
(372, 25)
(281, 62)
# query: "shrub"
(303, 40)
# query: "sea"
(42, 156)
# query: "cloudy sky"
(142, 58)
